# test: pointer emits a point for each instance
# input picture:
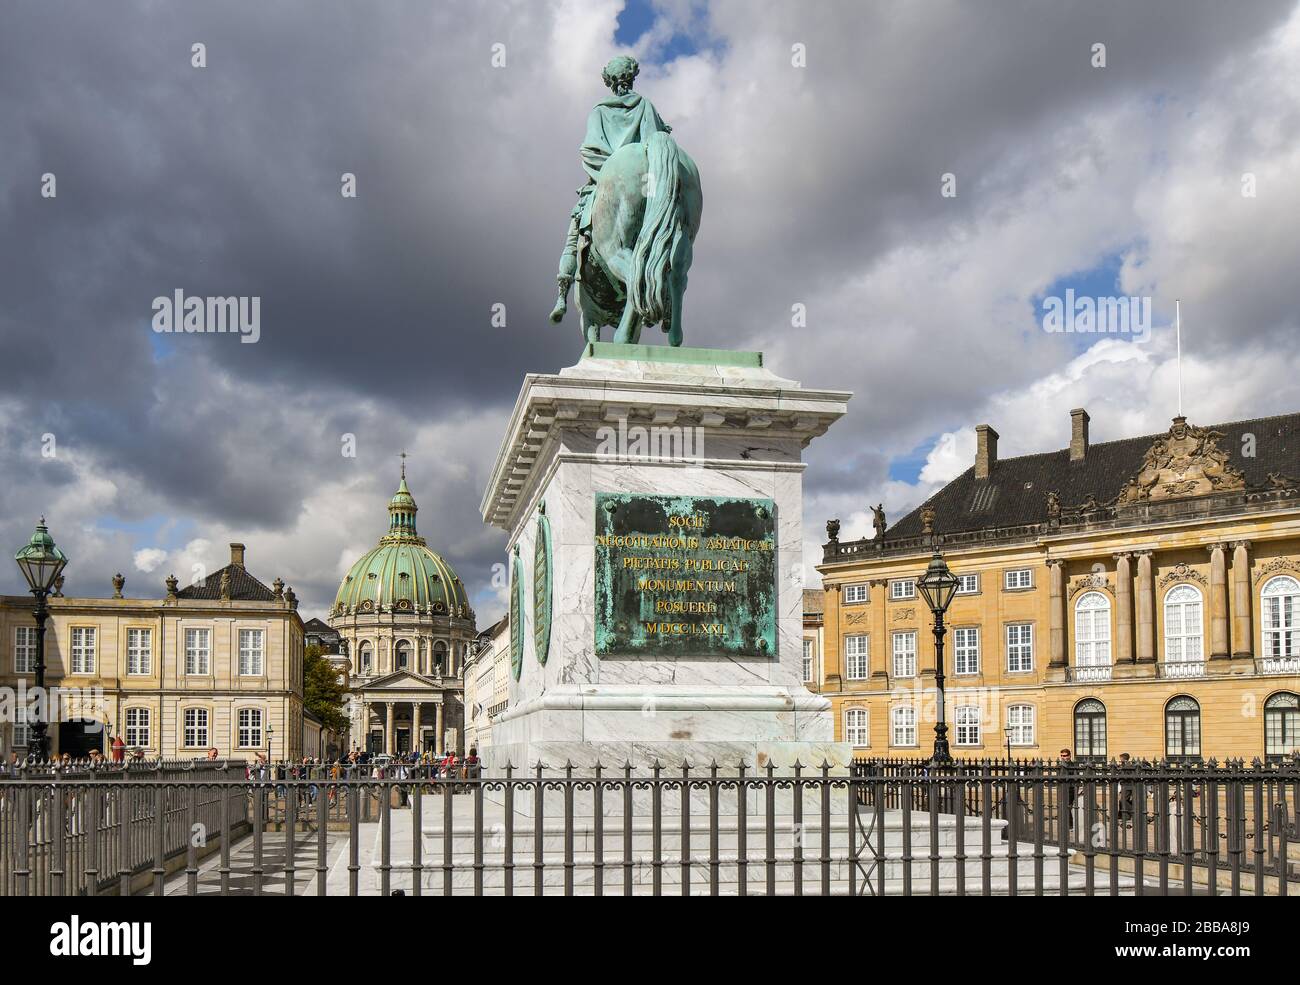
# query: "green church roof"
(402, 574)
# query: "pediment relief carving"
(1185, 462)
(1183, 572)
(1277, 566)
(1090, 582)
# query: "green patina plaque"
(516, 614)
(542, 586)
(685, 576)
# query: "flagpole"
(1178, 337)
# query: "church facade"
(406, 626)
(1139, 596)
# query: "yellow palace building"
(1137, 596)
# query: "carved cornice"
(1182, 572)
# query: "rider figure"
(624, 117)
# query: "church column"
(1218, 601)
(1146, 609)
(437, 718)
(1056, 612)
(415, 728)
(1243, 633)
(1124, 608)
(390, 729)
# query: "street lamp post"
(270, 732)
(41, 563)
(1008, 731)
(938, 586)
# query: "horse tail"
(649, 292)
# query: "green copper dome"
(402, 574)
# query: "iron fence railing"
(880, 826)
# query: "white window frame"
(902, 726)
(808, 661)
(138, 727)
(904, 653)
(1013, 578)
(83, 656)
(196, 728)
(139, 651)
(967, 720)
(901, 589)
(1279, 633)
(856, 727)
(198, 657)
(965, 651)
(251, 725)
(1021, 719)
(1184, 606)
(1020, 650)
(857, 592)
(1092, 642)
(968, 584)
(857, 656)
(252, 652)
(22, 727)
(24, 646)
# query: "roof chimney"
(1078, 434)
(986, 452)
(237, 555)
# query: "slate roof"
(1015, 492)
(313, 625)
(243, 587)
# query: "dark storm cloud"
(375, 311)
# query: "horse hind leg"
(629, 326)
(681, 264)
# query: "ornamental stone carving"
(1182, 572)
(1185, 462)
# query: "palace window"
(1281, 726)
(903, 726)
(139, 651)
(1184, 631)
(1281, 624)
(364, 658)
(195, 732)
(855, 727)
(968, 584)
(1020, 719)
(905, 654)
(856, 654)
(138, 728)
(24, 650)
(807, 661)
(83, 650)
(250, 728)
(855, 593)
(250, 652)
(1020, 647)
(967, 718)
(22, 731)
(403, 655)
(198, 651)
(1182, 729)
(1090, 729)
(1092, 636)
(440, 658)
(903, 588)
(966, 650)
(1018, 578)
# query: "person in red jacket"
(119, 749)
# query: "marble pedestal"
(656, 420)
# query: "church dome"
(402, 574)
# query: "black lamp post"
(1008, 732)
(41, 564)
(270, 734)
(938, 586)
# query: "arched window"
(1281, 726)
(439, 658)
(1092, 637)
(1090, 729)
(403, 661)
(1182, 729)
(1184, 626)
(1280, 601)
(365, 658)
(855, 727)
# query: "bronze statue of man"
(621, 118)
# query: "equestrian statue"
(630, 236)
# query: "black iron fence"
(884, 827)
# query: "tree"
(323, 694)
